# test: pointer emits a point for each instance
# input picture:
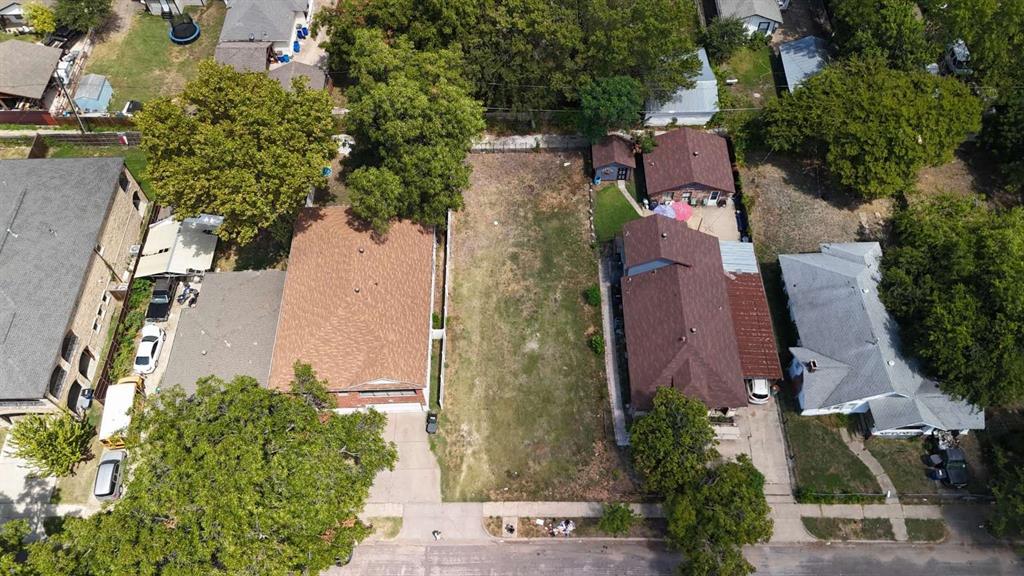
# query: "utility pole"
(74, 109)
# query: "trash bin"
(296, 47)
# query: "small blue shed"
(93, 93)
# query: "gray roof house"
(230, 331)
(802, 59)
(757, 15)
(284, 74)
(688, 106)
(27, 69)
(68, 225)
(243, 56)
(848, 358)
(264, 21)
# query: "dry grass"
(589, 528)
(13, 152)
(849, 528)
(925, 530)
(526, 414)
(385, 527)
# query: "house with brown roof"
(691, 323)
(613, 158)
(688, 165)
(358, 309)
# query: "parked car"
(431, 423)
(758, 391)
(955, 465)
(149, 349)
(162, 299)
(110, 475)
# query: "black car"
(160, 303)
(955, 465)
(431, 423)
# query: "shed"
(689, 106)
(93, 93)
(613, 158)
(176, 248)
(802, 59)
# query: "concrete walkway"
(525, 143)
(629, 198)
(789, 526)
(611, 357)
(856, 445)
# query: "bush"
(435, 320)
(124, 354)
(723, 37)
(53, 444)
(596, 343)
(592, 295)
(617, 519)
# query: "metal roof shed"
(802, 59)
(93, 93)
(178, 248)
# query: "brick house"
(690, 166)
(358, 309)
(65, 262)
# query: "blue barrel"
(305, 31)
(284, 58)
(295, 47)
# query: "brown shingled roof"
(356, 309)
(752, 322)
(612, 150)
(678, 324)
(685, 157)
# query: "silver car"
(110, 475)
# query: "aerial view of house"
(759, 16)
(849, 358)
(274, 21)
(688, 106)
(802, 59)
(613, 158)
(357, 308)
(27, 75)
(689, 166)
(244, 56)
(12, 12)
(65, 259)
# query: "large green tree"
(413, 122)
(238, 145)
(51, 443)
(993, 31)
(236, 479)
(82, 15)
(1003, 137)
(875, 127)
(13, 548)
(954, 279)
(614, 103)
(672, 444)
(890, 28)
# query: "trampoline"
(183, 30)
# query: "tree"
(617, 519)
(875, 127)
(238, 145)
(82, 15)
(673, 443)
(413, 122)
(236, 479)
(716, 560)
(891, 29)
(614, 103)
(311, 390)
(40, 17)
(52, 444)
(993, 31)
(12, 548)
(1008, 487)
(954, 280)
(722, 37)
(1003, 136)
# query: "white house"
(762, 16)
(688, 106)
(274, 21)
(848, 358)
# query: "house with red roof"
(691, 166)
(695, 314)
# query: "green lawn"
(849, 528)
(753, 69)
(925, 529)
(901, 459)
(144, 64)
(77, 488)
(526, 414)
(825, 468)
(134, 158)
(611, 212)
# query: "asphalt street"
(647, 559)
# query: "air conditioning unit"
(134, 249)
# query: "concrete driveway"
(760, 436)
(416, 477)
(21, 493)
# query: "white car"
(758, 391)
(149, 349)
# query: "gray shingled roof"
(802, 59)
(260, 20)
(54, 210)
(284, 74)
(746, 8)
(230, 331)
(243, 56)
(27, 68)
(833, 298)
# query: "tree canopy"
(51, 443)
(610, 104)
(954, 280)
(413, 122)
(993, 31)
(875, 127)
(1003, 136)
(238, 145)
(892, 29)
(40, 17)
(13, 548)
(724, 36)
(82, 15)
(672, 444)
(236, 479)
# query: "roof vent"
(693, 330)
(357, 290)
(812, 365)
(864, 290)
(361, 250)
(664, 235)
(891, 362)
(696, 153)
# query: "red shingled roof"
(752, 323)
(687, 157)
(678, 323)
(612, 150)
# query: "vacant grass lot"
(825, 468)
(144, 64)
(901, 459)
(611, 212)
(849, 528)
(925, 529)
(526, 414)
